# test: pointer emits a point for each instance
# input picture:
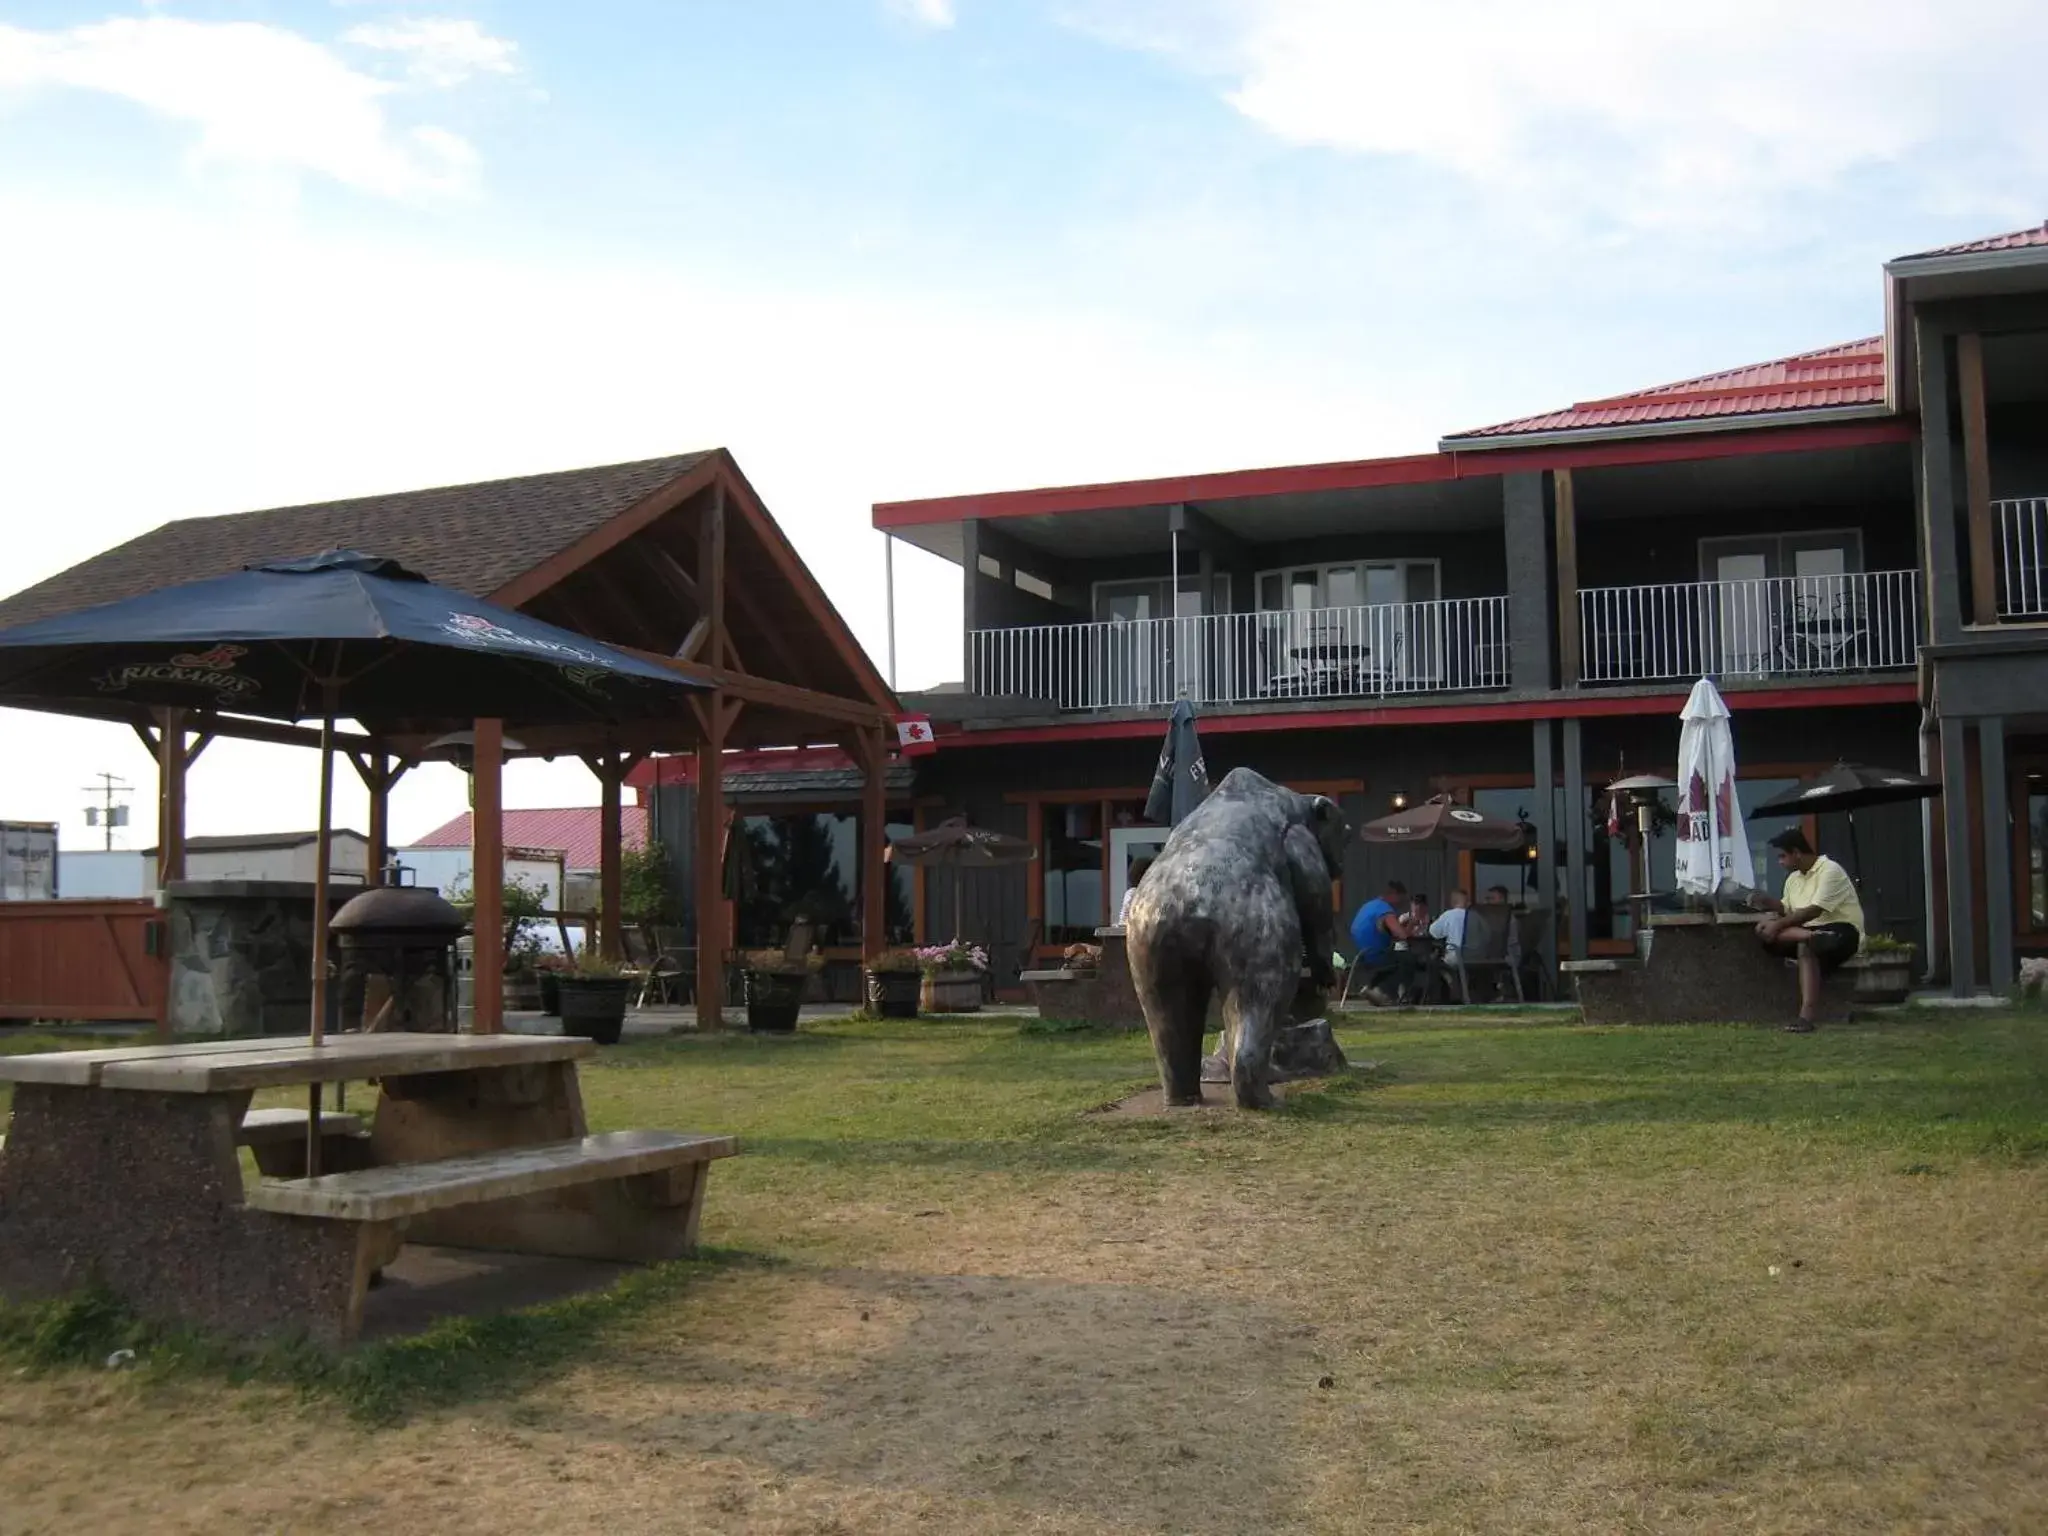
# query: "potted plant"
(1883, 969)
(551, 967)
(523, 901)
(775, 989)
(593, 998)
(953, 973)
(895, 977)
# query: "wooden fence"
(88, 960)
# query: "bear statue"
(1230, 907)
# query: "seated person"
(1138, 869)
(1449, 929)
(1820, 919)
(1375, 929)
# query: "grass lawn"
(1523, 1277)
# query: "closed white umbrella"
(1713, 852)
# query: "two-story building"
(1852, 541)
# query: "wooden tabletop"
(219, 1066)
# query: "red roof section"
(573, 829)
(1848, 375)
(2019, 239)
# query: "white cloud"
(1648, 115)
(439, 51)
(261, 97)
(929, 13)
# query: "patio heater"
(1641, 794)
(397, 950)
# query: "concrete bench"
(280, 1130)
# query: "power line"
(107, 813)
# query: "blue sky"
(261, 253)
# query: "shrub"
(897, 961)
(775, 962)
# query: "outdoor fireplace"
(396, 950)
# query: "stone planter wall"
(241, 956)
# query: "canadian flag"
(914, 735)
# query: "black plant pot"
(893, 994)
(773, 1000)
(550, 993)
(594, 1006)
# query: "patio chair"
(662, 971)
(1532, 926)
(1485, 950)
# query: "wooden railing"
(83, 960)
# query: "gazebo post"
(709, 862)
(610, 848)
(873, 760)
(487, 880)
(170, 806)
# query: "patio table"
(121, 1167)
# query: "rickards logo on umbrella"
(213, 670)
(478, 630)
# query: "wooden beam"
(658, 503)
(709, 866)
(770, 694)
(170, 827)
(610, 851)
(1977, 479)
(669, 571)
(867, 750)
(1567, 579)
(487, 879)
(693, 642)
(711, 573)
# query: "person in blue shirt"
(1376, 928)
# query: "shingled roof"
(2017, 240)
(474, 538)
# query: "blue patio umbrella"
(338, 634)
(1182, 778)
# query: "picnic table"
(121, 1167)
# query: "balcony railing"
(1781, 626)
(1240, 658)
(2023, 558)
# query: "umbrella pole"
(322, 855)
(956, 901)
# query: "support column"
(487, 878)
(709, 864)
(873, 758)
(1575, 838)
(1941, 585)
(1983, 537)
(1542, 815)
(1998, 891)
(970, 599)
(1955, 820)
(376, 777)
(170, 809)
(1568, 652)
(889, 597)
(610, 850)
(1528, 567)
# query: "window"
(807, 867)
(899, 890)
(1832, 552)
(1129, 602)
(989, 566)
(1347, 584)
(1074, 905)
(1037, 586)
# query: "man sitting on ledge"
(1820, 921)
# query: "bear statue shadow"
(1229, 908)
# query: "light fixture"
(1399, 800)
(459, 748)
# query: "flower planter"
(551, 993)
(1882, 978)
(952, 992)
(894, 994)
(522, 993)
(594, 1006)
(773, 1001)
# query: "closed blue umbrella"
(1182, 779)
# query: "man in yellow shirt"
(1820, 920)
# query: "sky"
(264, 252)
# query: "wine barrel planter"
(522, 993)
(773, 1001)
(594, 1006)
(953, 992)
(1885, 977)
(894, 994)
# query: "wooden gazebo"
(675, 558)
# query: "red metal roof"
(2019, 239)
(1848, 375)
(573, 829)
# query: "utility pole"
(107, 814)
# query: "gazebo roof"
(618, 552)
